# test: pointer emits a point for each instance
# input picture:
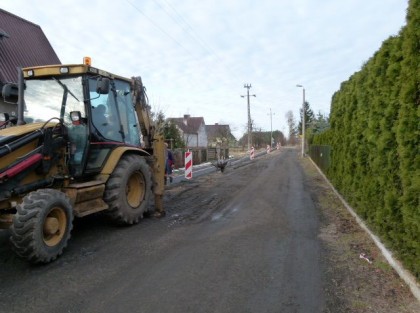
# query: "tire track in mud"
(197, 200)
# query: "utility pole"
(248, 86)
(271, 128)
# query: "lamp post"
(303, 121)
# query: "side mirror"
(10, 93)
(102, 86)
(5, 118)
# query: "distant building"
(220, 136)
(22, 44)
(192, 129)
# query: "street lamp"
(303, 120)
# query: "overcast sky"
(195, 56)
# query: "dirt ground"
(358, 278)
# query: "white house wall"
(196, 140)
(202, 136)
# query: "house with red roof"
(220, 136)
(192, 129)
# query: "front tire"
(128, 190)
(42, 225)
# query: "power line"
(189, 30)
(181, 25)
(198, 39)
(160, 28)
(163, 30)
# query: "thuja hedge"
(374, 135)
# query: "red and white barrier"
(188, 165)
(252, 153)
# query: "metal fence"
(321, 155)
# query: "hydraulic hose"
(8, 148)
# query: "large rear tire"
(129, 190)
(42, 225)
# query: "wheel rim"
(135, 189)
(54, 226)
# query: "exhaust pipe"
(21, 100)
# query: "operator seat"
(99, 119)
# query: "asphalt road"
(242, 241)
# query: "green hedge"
(374, 135)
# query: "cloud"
(194, 57)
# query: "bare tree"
(291, 122)
(223, 135)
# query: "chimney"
(186, 117)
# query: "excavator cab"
(96, 111)
(75, 149)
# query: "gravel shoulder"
(358, 278)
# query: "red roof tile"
(188, 124)
(218, 131)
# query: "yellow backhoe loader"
(82, 141)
